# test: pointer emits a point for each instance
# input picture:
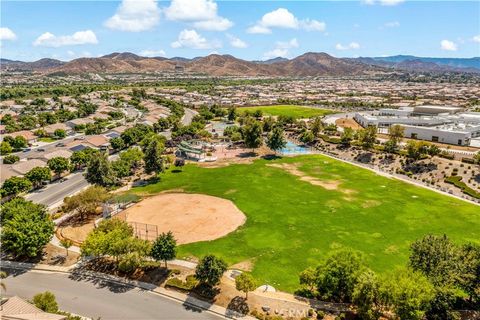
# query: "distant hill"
(308, 64)
(426, 63)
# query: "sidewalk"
(170, 294)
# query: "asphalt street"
(55, 193)
(94, 298)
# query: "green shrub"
(320, 314)
(468, 160)
(129, 263)
(187, 285)
(457, 182)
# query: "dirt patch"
(77, 232)
(293, 169)
(246, 265)
(348, 123)
(191, 217)
(371, 204)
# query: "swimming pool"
(293, 148)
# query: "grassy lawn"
(298, 112)
(292, 223)
(47, 139)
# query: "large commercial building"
(443, 124)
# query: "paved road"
(54, 193)
(105, 300)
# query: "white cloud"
(7, 34)
(350, 46)
(153, 53)
(201, 13)
(191, 39)
(135, 16)
(259, 30)
(282, 49)
(313, 25)
(236, 42)
(383, 2)
(476, 38)
(48, 39)
(217, 24)
(448, 45)
(282, 18)
(392, 24)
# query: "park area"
(301, 208)
(297, 112)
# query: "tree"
(117, 143)
(252, 134)
(59, 165)
(245, 283)
(308, 278)
(121, 168)
(316, 126)
(347, 136)
(408, 293)
(26, 233)
(437, 258)
(82, 158)
(100, 172)
(441, 306)
(470, 274)
(46, 302)
(268, 124)
(367, 137)
(15, 185)
(210, 270)
(258, 113)
(276, 139)
(366, 296)
(396, 133)
(307, 137)
(11, 159)
(87, 201)
(164, 248)
(338, 275)
(38, 174)
(66, 243)
(153, 156)
(133, 156)
(232, 114)
(19, 143)
(5, 148)
(60, 133)
(114, 237)
(19, 206)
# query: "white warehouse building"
(431, 123)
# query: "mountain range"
(308, 64)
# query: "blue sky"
(246, 29)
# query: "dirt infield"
(191, 217)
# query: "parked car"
(61, 144)
(40, 150)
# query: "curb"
(177, 296)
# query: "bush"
(11, 159)
(468, 160)
(457, 182)
(320, 314)
(46, 302)
(129, 263)
(187, 285)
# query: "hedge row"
(457, 182)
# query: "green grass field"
(298, 112)
(292, 224)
